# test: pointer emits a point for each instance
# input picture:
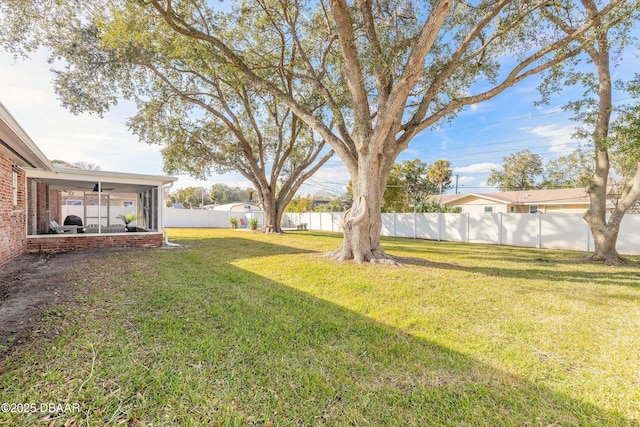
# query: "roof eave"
(15, 141)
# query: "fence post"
(539, 230)
(588, 237)
(500, 231)
(394, 224)
(468, 227)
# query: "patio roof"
(84, 180)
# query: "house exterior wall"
(478, 206)
(572, 209)
(55, 206)
(53, 243)
(42, 208)
(31, 206)
(13, 218)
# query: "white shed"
(238, 207)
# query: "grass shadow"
(201, 341)
(560, 266)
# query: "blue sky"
(475, 142)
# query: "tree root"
(377, 256)
(613, 260)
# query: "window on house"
(488, 209)
(533, 209)
(14, 188)
(513, 209)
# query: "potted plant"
(234, 222)
(253, 224)
(128, 218)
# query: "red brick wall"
(62, 243)
(30, 206)
(55, 205)
(43, 205)
(12, 218)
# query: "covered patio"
(97, 200)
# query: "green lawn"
(241, 328)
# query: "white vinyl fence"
(199, 218)
(549, 231)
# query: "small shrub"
(253, 223)
(234, 222)
(128, 218)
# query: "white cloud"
(27, 92)
(484, 167)
(465, 180)
(559, 136)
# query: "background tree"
(426, 204)
(301, 204)
(190, 197)
(613, 32)
(80, 164)
(407, 180)
(624, 143)
(222, 194)
(519, 172)
(336, 204)
(366, 76)
(439, 172)
(574, 170)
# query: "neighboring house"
(563, 200)
(31, 190)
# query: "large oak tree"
(614, 31)
(384, 70)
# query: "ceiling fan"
(95, 188)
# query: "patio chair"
(67, 228)
(55, 227)
(242, 223)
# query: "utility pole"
(457, 183)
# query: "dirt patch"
(30, 285)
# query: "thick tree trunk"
(272, 214)
(605, 237)
(362, 223)
(605, 233)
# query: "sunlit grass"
(241, 328)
